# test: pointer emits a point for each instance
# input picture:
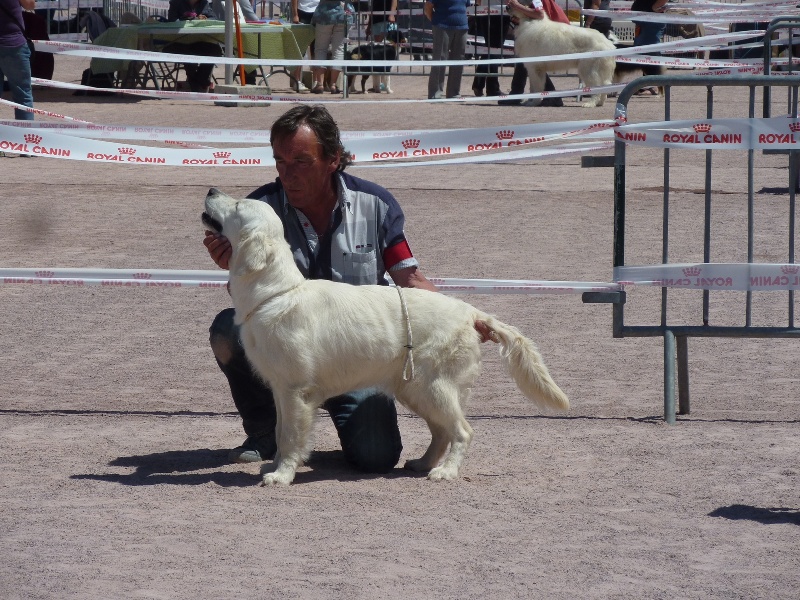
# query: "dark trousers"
(491, 83)
(197, 75)
(520, 78)
(365, 420)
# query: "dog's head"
(394, 37)
(243, 222)
(235, 218)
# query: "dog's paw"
(275, 479)
(443, 474)
(591, 104)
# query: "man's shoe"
(509, 102)
(552, 102)
(254, 449)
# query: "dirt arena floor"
(115, 421)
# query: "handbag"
(331, 12)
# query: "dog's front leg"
(538, 81)
(295, 424)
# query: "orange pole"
(242, 77)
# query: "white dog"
(543, 37)
(314, 339)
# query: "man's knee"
(223, 336)
(370, 436)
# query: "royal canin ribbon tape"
(699, 276)
(162, 278)
(713, 276)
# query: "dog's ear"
(255, 252)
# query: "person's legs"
(518, 80)
(204, 70)
(251, 396)
(456, 49)
(648, 33)
(322, 37)
(15, 65)
(493, 82)
(366, 421)
(480, 81)
(438, 52)
(337, 52)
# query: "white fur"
(543, 37)
(315, 339)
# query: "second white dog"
(543, 37)
(314, 339)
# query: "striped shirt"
(365, 239)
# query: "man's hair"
(320, 121)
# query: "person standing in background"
(449, 18)
(302, 12)
(15, 55)
(332, 20)
(647, 33)
(601, 24)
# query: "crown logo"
(142, 276)
(791, 269)
(505, 134)
(44, 274)
(794, 127)
(407, 144)
(692, 271)
(32, 138)
(130, 151)
(702, 128)
(222, 154)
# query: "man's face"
(302, 168)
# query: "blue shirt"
(363, 242)
(450, 14)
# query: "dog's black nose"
(212, 192)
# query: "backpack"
(96, 80)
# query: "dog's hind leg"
(460, 435)
(293, 437)
(433, 454)
(443, 413)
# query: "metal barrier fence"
(769, 232)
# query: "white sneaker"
(301, 88)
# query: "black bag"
(42, 63)
(96, 80)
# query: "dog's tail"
(525, 364)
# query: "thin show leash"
(409, 345)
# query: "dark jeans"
(365, 420)
(520, 77)
(491, 83)
(197, 75)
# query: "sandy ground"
(115, 422)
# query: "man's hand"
(486, 332)
(219, 248)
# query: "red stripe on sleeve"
(396, 253)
